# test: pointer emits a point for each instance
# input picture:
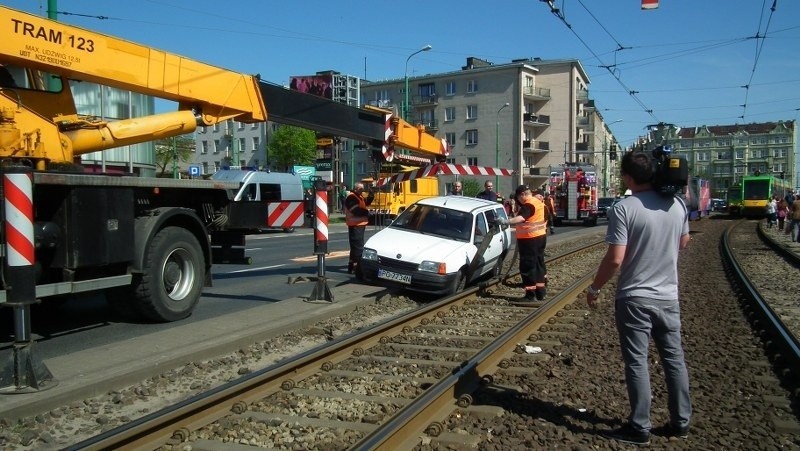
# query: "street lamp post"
(605, 159)
(405, 104)
(497, 147)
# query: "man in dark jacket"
(488, 193)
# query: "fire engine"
(574, 192)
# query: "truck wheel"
(172, 278)
(458, 284)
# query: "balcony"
(531, 119)
(381, 103)
(582, 95)
(589, 107)
(535, 147)
(584, 123)
(581, 147)
(432, 125)
(534, 93)
(429, 100)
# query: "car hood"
(414, 247)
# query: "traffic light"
(612, 152)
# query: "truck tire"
(172, 278)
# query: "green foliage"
(168, 150)
(471, 187)
(291, 146)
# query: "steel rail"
(773, 324)
(175, 422)
(425, 414)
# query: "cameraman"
(356, 217)
(645, 232)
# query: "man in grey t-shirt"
(645, 232)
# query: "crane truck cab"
(260, 195)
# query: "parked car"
(603, 204)
(719, 205)
(439, 245)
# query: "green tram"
(757, 190)
(734, 200)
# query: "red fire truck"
(574, 191)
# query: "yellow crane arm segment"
(216, 94)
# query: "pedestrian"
(343, 193)
(783, 212)
(488, 193)
(356, 217)
(794, 224)
(646, 305)
(458, 189)
(531, 234)
(551, 212)
(772, 212)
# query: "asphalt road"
(65, 326)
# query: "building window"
(702, 156)
(740, 154)
(450, 114)
(203, 129)
(450, 160)
(242, 163)
(242, 144)
(472, 161)
(450, 137)
(781, 152)
(240, 125)
(205, 167)
(204, 147)
(450, 88)
(472, 87)
(472, 112)
(216, 166)
(255, 144)
(362, 167)
(472, 137)
(216, 146)
(216, 127)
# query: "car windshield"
(431, 220)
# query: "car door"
(493, 249)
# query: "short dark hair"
(638, 165)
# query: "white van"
(265, 200)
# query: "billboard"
(318, 85)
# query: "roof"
(724, 130)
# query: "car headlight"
(369, 254)
(435, 267)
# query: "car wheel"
(458, 284)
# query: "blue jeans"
(639, 319)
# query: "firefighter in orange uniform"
(356, 216)
(531, 230)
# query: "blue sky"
(686, 62)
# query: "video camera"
(670, 172)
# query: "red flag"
(649, 4)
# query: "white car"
(439, 245)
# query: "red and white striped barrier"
(321, 226)
(18, 191)
(285, 214)
(445, 169)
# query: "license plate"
(389, 275)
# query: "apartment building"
(528, 115)
(726, 153)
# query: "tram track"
(445, 337)
(773, 310)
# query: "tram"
(757, 190)
(734, 200)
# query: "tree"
(173, 150)
(291, 146)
